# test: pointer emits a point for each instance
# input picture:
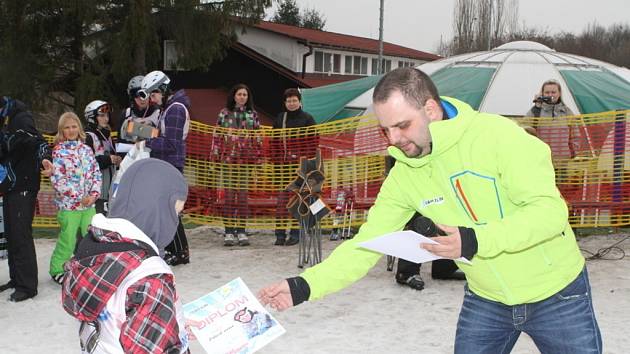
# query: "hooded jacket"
(75, 175)
(122, 292)
(22, 149)
(486, 173)
(174, 122)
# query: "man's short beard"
(418, 154)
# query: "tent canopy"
(503, 80)
(328, 102)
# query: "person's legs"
(281, 213)
(101, 206)
(408, 273)
(294, 237)
(565, 322)
(19, 210)
(446, 269)
(177, 250)
(243, 213)
(86, 220)
(230, 207)
(69, 224)
(485, 326)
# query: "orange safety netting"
(237, 177)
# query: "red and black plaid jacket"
(102, 261)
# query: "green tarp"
(467, 84)
(327, 102)
(597, 91)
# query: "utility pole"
(380, 40)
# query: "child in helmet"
(139, 110)
(170, 145)
(98, 137)
(76, 180)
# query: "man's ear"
(433, 110)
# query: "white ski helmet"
(134, 85)
(153, 81)
(95, 108)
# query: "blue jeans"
(563, 323)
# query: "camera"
(424, 226)
(142, 131)
(545, 99)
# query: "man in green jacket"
(490, 187)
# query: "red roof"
(344, 41)
(318, 79)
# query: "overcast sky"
(419, 24)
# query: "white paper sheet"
(122, 147)
(405, 245)
(317, 206)
(231, 320)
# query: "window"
(319, 61)
(405, 64)
(357, 65)
(327, 63)
(348, 64)
(170, 55)
(387, 66)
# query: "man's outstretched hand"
(277, 295)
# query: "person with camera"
(551, 124)
(489, 186)
(23, 152)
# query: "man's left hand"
(449, 246)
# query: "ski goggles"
(144, 94)
(104, 109)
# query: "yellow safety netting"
(238, 177)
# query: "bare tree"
(483, 24)
(480, 24)
(464, 19)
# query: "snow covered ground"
(374, 315)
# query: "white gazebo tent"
(505, 79)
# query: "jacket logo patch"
(437, 200)
(478, 196)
